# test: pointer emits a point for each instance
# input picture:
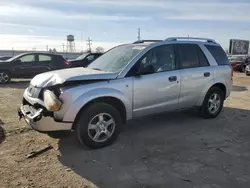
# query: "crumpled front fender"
(82, 100)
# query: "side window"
(44, 58)
(202, 58)
(27, 58)
(159, 59)
(219, 54)
(188, 55)
(90, 58)
(97, 55)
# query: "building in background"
(238, 47)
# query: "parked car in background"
(247, 66)
(240, 63)
(129, 81)
(28, 65)
(84, 59)
(3, 58)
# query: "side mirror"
(145, 70)
(17, 61)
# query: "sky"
(30, 24)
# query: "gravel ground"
(171, 150)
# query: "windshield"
(81, 56)
(15, 57)
(117, 58)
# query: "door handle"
(206, 74)
(172, 78)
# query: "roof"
(44, 53)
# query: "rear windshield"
(219, 54)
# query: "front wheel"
(213, 103)
(4, 77)
(98, 125)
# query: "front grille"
(33, 91)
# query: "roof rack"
(190, 38)
(143, 41)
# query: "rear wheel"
(98, 125)
(4, 77)
(213, 103)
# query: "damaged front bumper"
(35, 119)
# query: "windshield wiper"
(97, 69)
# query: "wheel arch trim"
(209, 85)
(71, 113)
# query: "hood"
(4, 63)
(73, 74)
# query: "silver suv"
(129, 81)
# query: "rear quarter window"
(219, 54)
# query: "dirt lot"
(171, 150)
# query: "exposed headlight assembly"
(51, 101)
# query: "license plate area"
(30, 113)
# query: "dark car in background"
(239, 63)
(84, 59)
(28, 65)
(4, 58)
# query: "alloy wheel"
(101, 127)
(4, 77)
(214, 103)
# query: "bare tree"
(99, 49)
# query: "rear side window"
(202, 58)
(43, 58)
(219, 54)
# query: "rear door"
(195, 73)
(43, 64)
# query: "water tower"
(70, 43)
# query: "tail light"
(66, 62)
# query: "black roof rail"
(142, 41)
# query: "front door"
(25, 66)
(195, 74)
(157, 83)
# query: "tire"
(204, 109)
(2, 134)
(4, 77)
(86, 133)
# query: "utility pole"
(89, 44)
(47, 47)
(139, 34)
